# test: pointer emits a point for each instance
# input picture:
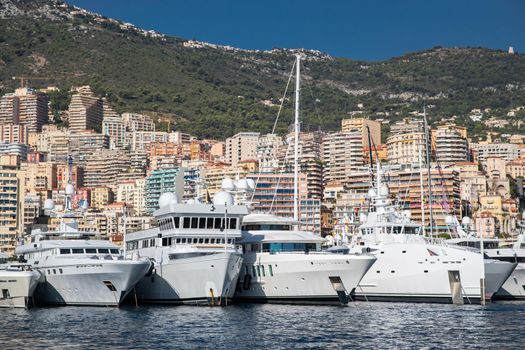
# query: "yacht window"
(54, 272)
(178, 240)
(60, 270)
(206, 240)
(202, 223)
(176, 220)
(65, 251)
(270, 270)
(103, 251)
(145, 244)
(186, 223)
(183, 240)
(253, 271)
(258, 270)
(218, 223)
(78, 251)
(91, 251)
(194, 222)
(152, 242)
(246, 269)
(201, 240)
(263, 271)
(233, 223)
(114, 251)
(209, 223)
(212, 240)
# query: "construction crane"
(25, 78)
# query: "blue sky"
(365, 29)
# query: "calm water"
(364, 325)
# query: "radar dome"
(251, 184)
(228, 184)
(49, 204)
(465, 220)
(450, 220)
(383, 191)
(222, 198)
(70, 189)
(371, 193)
(166, 198)
(242, 185)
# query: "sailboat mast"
(421, 188)
(296, 141)
(428, 148)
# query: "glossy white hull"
(299, 278)
(417, 272)
(207, 279)
(89, 282)
(17, 287)
(514, 286)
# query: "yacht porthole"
(348, 262)
(311, 262)
(212, 266)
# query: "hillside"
(215, 91)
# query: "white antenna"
(296, 143)
(428, 151)
(421, 189)
(124, 232)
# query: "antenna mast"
(296, 141)
(428, 148)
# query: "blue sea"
(264, 326)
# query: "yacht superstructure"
(193, 249)
(285, 266)
(17, 283)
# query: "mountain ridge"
(214, 91)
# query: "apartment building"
(241, 146)
(85, 111)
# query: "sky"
(356, 29)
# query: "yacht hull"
(496, 273)
(417, 272)
(208, 280)
(17, 287)
(89, 283)
(299, 278)
(514, 286)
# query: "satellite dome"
(70, 189)
(242, 185)
(383, 191)
(251, 184)
(222, 198)
(450, 220)
(371, 193)
(228, 184)
(465, 221)
(166, 198)
(49, 204)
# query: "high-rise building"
(116, 130)
(450, 143)
(12, 193)
(13, 133)
(137, 122)
(406, 143)
(103, 167)
(161, 181)
(363, 125)
(78, 146)
(267, 152)
(241, 146)
(85, 111)
(342, 154)
(9, 109)
(507, 151)
(16, 149)
(32, 109)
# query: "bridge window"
(209, 223)
(218, 223)
(92, 250)
(176, 221)
(202, 223)
(103, 251)
(186, 223)
(78, 251)
(65, 251)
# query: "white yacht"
(78, 267)
(17, 283)
(411, 267)
(193, 249)
(513, 286)
(285, 266)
